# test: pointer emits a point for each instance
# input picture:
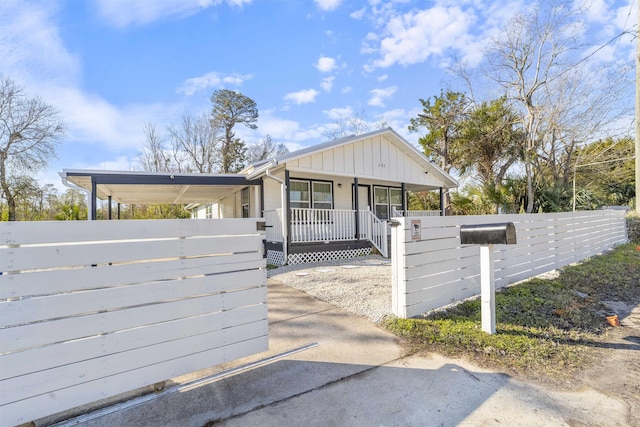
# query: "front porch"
(311, 231)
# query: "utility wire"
(591, 54)
(606, 161)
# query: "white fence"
(92, 309)
(431, 269)
(273, 220)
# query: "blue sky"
(110, 66)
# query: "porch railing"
(376, 231)
(324, 225)
(318, 225)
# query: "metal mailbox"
(488, 234)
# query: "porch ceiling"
(414, 188)
(148, 188)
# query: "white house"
(335, 196)
(330, 200)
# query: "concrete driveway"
(356, 376)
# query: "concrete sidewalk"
(357, 377)
(347, 345)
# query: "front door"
(363, 198)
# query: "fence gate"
(92, 309)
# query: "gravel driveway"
(360, 285)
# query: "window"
(244, 202)
(322, 195)
(381, 202)
(385, 199)
(208, 211)
(310, 194)
(395, 199)
(299, 194)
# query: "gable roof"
(260, 168)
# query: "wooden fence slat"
(73, 328)
(63, 376)
(44, 232)
(103, 276)
(81, 303)
(65, 353)
(45, 404)
(51, 256)
(443, 266)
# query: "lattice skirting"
(304, 258)
(275, 257)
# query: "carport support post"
(487, 289)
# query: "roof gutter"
(261, 170)
(65, 181)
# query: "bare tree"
(196, 140)
(264, 150)
(355, 124)
(565, 99)
(155, 156)
(575, 112)
(30, 129)
(522, 61)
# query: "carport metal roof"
(155, 187)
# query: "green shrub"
(544, 327)
(633, 228)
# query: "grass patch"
(544, 327)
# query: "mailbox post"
(487, 235)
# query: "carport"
(131, 187)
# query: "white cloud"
(414, 36)
(30, 44)
(120, 163)
(358, 14)
(302, 97)
(92, 120)
(626, 16)
(346, 89)
(382, 77)
(124, 13)
(379, 95)
(325, 64)
(327, 83)
(450, 28)
(328, 4)
(278, 128)
(33, 54)
(596, 10)
(211, 80)
(339, 113)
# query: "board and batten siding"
(376, 157)
(434, 269)
(272, 193)
(93, 309)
